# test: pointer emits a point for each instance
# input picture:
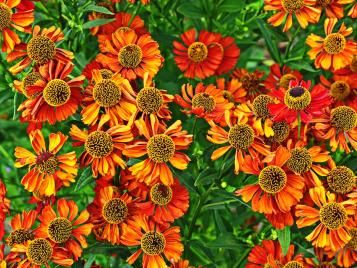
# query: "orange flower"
(130, 54)
(4, 208)
(20, 20)
(232, 90)
(136, 188)
(64, 227)
(39, 50)
(304, 11)
(240, 137)
(28, 80)
(38, 252)
(102, 147)
(48, 170)
(200, 56)
(353, 11)
(333, 9)
(204, 101)
(230, 54)
(154, 242)
(252, 82)
(161, 146)
(109, 95)
(55, 96)
(333, 217)
(166, 203)
(111, 213)
(332, 52)
(21, 225)
(280, 77)
(347, 256)
(339, 127)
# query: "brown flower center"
(19, 236)
(281, 131)
(353, 242)
(106, 93)
(149, 100)
(293, 264)
(160, 148)
(260, 105)
(115, 211)
(251, 83)
(297, 98)
(285, 80)
(130, 56)
(205, 101)
(197, 51)
(39, 251)
(59, 230)
(340, 90)
(300, 160)
(241, 136)
(323, 3)
(5, 16)
(272, 179)
(41, 49)
(333, 215)
(160, 194)
(334, 43)
(29, 80)
(56, 93)
(46, 163)
(344, 118)
(292, 5)
(99, 144)
(153, 243)
(341, 180)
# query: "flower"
(130, 54)
(110, 213)
(109, 95)
(341, 180)
(154, 243)
(353, 11)
(206, 102)
(252, 82)
(161, 146)
(277, 189)
(299, 101)
(334, 51)
(64, 227)
(232, 90)
(201, 56)
(339, 127)
(240, 137)
(333, 9)
(102, 148)
(29, 79)
(230, 54)
(20, 20)
(280, 77)
(22, 225)
(347, 256)
(304, 11)
(55, 96)
(48, 171)
(4, 208)
(166, 203)
(40, 50)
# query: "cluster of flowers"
(268, 123)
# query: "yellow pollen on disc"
(107, 93)
(272, 179)
(5, 16)
(292, 5)
(161, 194)
(353, 242)
(241, 136)
(344, 118)
(99, 144)
(115, 211)
(41, 49)
(19, 236)
(293, 264)
(130, 56)
(153, 243)
(29, 80)
(285, 80)
(260, 105)
(297, 98)
(333, 215)
(47, 163)
(340, 90)
(160, 148)
(59, 230)
(149, 100)
(205, 101)
(197, 52)
(341, 180)
(334, 43)
(281, 131)
(56, 93)
(39, 251)
(300, 160)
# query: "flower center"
(29, 80)
(293, 264)
(197, 51)
(106, 74)
(281, 131)
(57, 92)
(241, 136)
(297, 98)
(41, 49)
(341, 180)
(160, 194)
(333, 215)
(340, 90)
(59, 230)
(160, 148)
(353, 242)
(292, 5)
(46, 163)
(272, 179)
(153, 243)
(344, 118)
(115, 211)
(205, 101)
(334, 43)
(19, 236)
(228, 96)
(260, 106)
(5, 16)
(130, 56)
(251, 82)
(300, 160)
(39, 251)
(99, 144)
(106, 93)
(123, 29)
(285, 80)
(149, 100)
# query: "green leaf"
(98, 22)
(226, 240)
(98, 9)
(85, 179)
(230, 6)
(89, 262)
(301, 65)
(284, 239)
(190, 11)
(206, 177)
(268, 37)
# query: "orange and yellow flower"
(280, 77)
(303, 10)
(231, 54)
(252, 82)
(161, 147)
(130, 54)
(13, 18)
(40, 50)
(22, 225)
(64, 226)
(155, 243)
(334, 51)
(48, 171)
(102, 147)
(232, 90)
(333, 9)
(333, 218)
(110, 213)
(108, 95)
(55, 96)
(347, 256)
(353, 11)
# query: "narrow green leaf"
(272, 47)
(98, 9)
(190, 11)
(230, 6)
(206, 177)
(98, 22)
(85, 179)
(284, 239)
(226, 240)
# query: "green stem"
(194, 126)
